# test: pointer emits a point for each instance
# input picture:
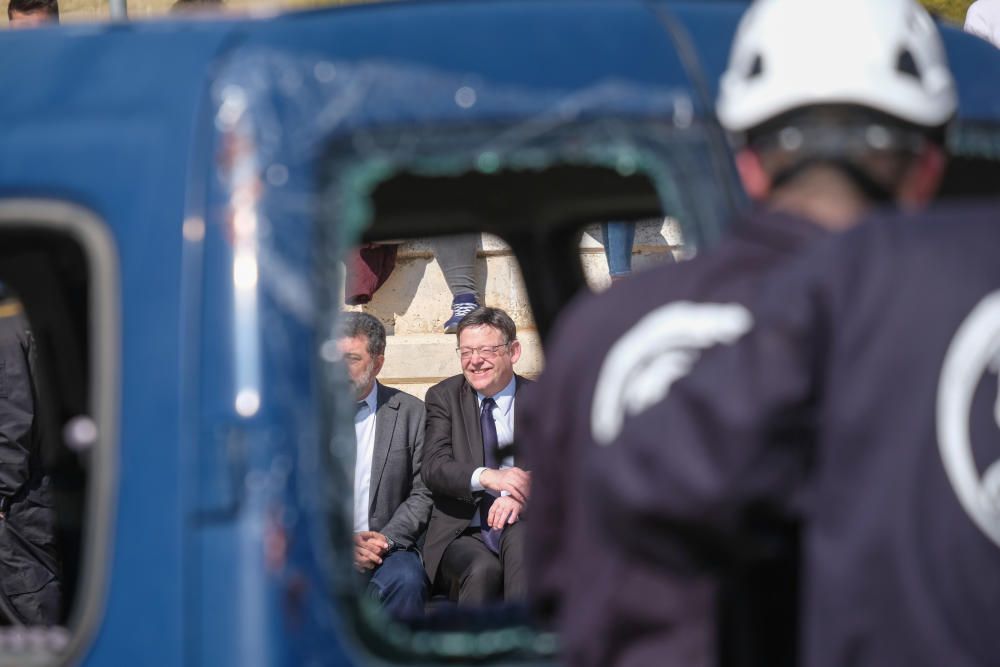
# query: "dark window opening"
(58, 324)
(525, 227)
(46, 276)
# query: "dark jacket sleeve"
(409, 521)
(442, 473)
(16, 406)
(731, 439)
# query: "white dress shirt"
(364, 431)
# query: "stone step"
(416, 300)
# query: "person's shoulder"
(399, 397)
(591, 312)
(896, 248)
(591, 323)
(613, 311)
(955, 225)
(451, 385)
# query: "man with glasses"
(474, 549)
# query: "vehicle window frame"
(373, 633)
(94, 239)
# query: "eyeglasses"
(485, 351)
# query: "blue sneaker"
(461, 305)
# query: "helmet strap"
(871, 188)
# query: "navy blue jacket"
(863, 403)
(611, 608)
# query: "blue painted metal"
(121, 119)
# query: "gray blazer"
(400, 502)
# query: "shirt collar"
(504, 398)
(372, 398)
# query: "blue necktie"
(491, 444)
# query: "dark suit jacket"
(400, 502)
(454, 451)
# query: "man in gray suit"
(391, 504)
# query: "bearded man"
(391, 504)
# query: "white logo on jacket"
(974, 351)
(659, 350)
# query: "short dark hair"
(50, 7)
(362, 324)
(491, 317)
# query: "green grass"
(952, 10)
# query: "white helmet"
(885, 55)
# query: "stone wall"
(415, 302)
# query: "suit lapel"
(470, 415)
(386, 411)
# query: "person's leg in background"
(512, 563)
(617, 238)
(470, 572)
(400, 584)
(456, 256)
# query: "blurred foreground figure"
(861, 400)
(32, 13)
(829, 122)
(30, 589)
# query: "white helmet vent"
(905, 64)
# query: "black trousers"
(471, 574)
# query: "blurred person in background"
(456, 255)
(30, 562)
(391, 504)
(32, 13)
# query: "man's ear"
(379, 360)
(756, 180)
(515, 351)
(923, 177)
